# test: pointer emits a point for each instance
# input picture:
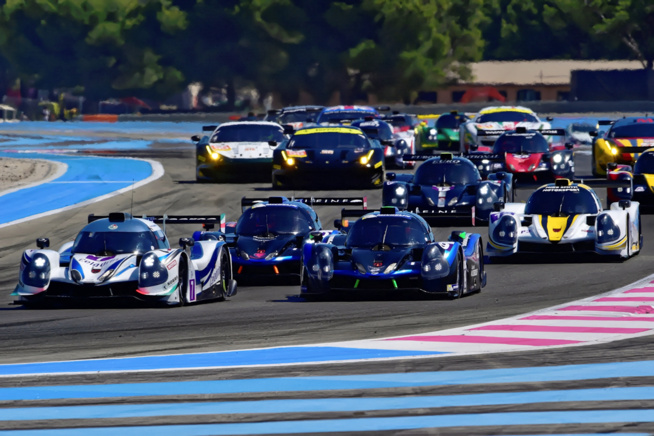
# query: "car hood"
(441, 196)
(523, 162)
(258, 247)
(91, 268)
(243, 150)
(376, 262)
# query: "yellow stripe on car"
(329, 130)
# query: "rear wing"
(311, 201)
(604, 183)
(209, 128)
(546, 132)
(207, 221)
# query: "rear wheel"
(225, 277)
(182, 283)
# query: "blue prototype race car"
(266, 241)
(447, 187)
(394, 250)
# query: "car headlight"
(271, 255)
(607, 230)
(37, 272)
(432, 131)
(151, 271)
(360, 268)
(557, 158)
(390, 268)
(106, 275)
(614, 151)
(506, 232)
(400, 190)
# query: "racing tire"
(182, 283)
(480, 265)
(310, 295)
(225, 277)
(460, 279)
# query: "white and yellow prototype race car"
(565, 217)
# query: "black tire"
(480, 265)
(182, 283)
(460, 279)
(225, 276)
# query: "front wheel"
(182, 283)
(460, 279)
(225, 277)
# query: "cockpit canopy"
(563, 201)
(394, 231)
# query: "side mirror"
(316, 236)
(388, 142)
(299, 240)
(338, 224)
(416, 253)
(43, 243)
(288, 129)
(272, 143)
(611, 166)
(593, 133)
(195, 138)
(416, 189)
(391, 176)
(590, 220)
(527, 220)
(569, 145)
(624, 204)
(498, 205)
(186, 242)
(473, 147)
(550, 118)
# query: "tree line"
(390, 48)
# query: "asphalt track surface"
(269, 316)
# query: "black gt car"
(447, 187)
(328, 156)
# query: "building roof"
(544, 72)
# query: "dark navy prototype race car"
(447, 187)
(395, 147)
(394, 250)
(266, 241)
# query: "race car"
(296, 116)
(266, 242)
(124, 257)
(237, 151)
(440, 132)
(622, 143)
(497, 119)
(346, 114)
(565, 217)
(639, 181)
(527, 155)
(393, 250)
(328, 156)
(394, 147)
(446, 187)
(403, 127)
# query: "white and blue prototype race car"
(125, 257)
(565, 217)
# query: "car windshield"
(645, 164)
(449, 121)
(635, 130)
(521, 143)
(395, 231)
(339, 116)
(113, 243)
(272, 221)
(401, 121)
(582, 128)
(328, 140)
(447, 172)
(248, 133)
(562, 201)
(507, 116)
(296, 117)
(375, 129)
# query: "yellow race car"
(625, 140)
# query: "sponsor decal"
(326, 151)
(113, 226)
(259, 254)
(191, 287)
(171, 265)
(296, 153)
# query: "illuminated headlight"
(37, 272)
(483, 190)
(290, 161)
(361, 268)
(432, 131)
(614, 151)
(400, 190)
(215, 156)
(485, 161)
(453, 201)
(151, 271)
(557, 158)
(364, 160)
(326, 268)
(389, 269)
